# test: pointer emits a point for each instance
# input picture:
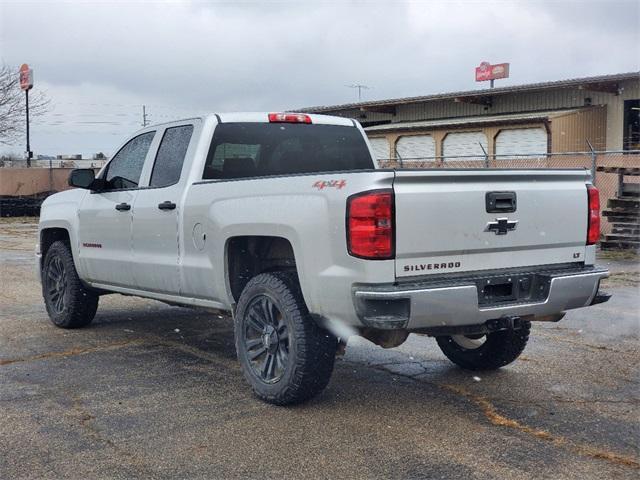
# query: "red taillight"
(289, 118)
(370, 225)
(593, 225)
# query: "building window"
(631, 138)
(521, 142)
(416, 147)
(465, 146)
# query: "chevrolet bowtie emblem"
(501, 226)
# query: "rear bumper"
(455, 303)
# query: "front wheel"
(285, 356)
(69, 304)
(485, 352)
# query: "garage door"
(416, 146)
(464, 146)
(521, 141)
(380, 148)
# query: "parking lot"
(154, 391)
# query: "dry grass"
(619, 255)
(10, 220)
(628, 279)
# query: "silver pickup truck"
(286, 221)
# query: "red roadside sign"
(26, 77)
(486, 71)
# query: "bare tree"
(12, 106)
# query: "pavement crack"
(397, 363)
(183, 347)
(72, 352)
(496, 418)
(500, 420)
(86, 422)
(149, 341)
(196, 352)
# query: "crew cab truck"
(286, 221)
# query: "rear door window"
(241, 159)
(125, 167)
(259, 149)
(170, 156)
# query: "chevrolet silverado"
(286, 221)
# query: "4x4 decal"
(321, 184)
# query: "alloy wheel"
(56, 282)
(266, 339)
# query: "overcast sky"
(99, 61)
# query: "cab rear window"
(241, 150)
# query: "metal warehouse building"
(539, 118)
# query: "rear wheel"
(69, 304)
(285, 356)
(485, 352)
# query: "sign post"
(486, 71)
(26, 84)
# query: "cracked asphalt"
(155, 391)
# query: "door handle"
(167, 205)
(123, 207)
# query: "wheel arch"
(51, 234)
(249, 255)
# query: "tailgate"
(452, 221)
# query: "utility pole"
(26, 84)
(359, 87)
(26, 96)
(144, 115)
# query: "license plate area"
(518, 288)
(499, 291)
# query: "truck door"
(156, 215)
(105, 216)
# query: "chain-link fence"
(35, 183)
(608, 182)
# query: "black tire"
(272, 321)
(499, 349)
(69, 304)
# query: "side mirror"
(82, 178)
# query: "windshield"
(258, 149)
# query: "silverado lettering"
(431, 266)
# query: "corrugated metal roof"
(466, 121)
(568, 83)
